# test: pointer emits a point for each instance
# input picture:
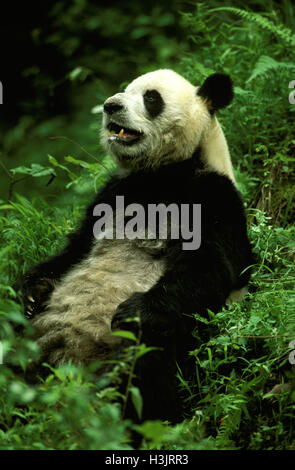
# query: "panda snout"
(111, 107)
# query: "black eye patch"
(153, 102)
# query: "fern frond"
(265, 64)
(229, 424)
(280, 30)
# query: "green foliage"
(278, 30)
(266, 64)
(242, 352)
(259, 123)
(66, 411)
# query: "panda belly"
(76, 324)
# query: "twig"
(6, 170)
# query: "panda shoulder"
(217, 189)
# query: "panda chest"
(113, 271)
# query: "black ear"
(217, 91)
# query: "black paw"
(129, 313)
(35, 293)
(137, 315)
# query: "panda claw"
(29, 313)
(30, 298)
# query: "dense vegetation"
(80, 53)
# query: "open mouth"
(122, 135)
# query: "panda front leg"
(39, 281)
(159, 324)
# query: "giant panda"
(170, 149)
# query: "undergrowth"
(245, 349)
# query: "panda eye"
(151, 96)
(153, 102)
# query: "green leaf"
(125, 334)
(39, 170)
(153, 431)
(136, 400)
(75, 73)
(74, 161)
(21, 169)
(54, 162)
(143, 349)
(36, 170)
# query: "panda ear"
(217, 91)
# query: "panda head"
(161, 118)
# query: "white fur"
(215, 153)
(81, 307)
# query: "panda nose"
(112, 107)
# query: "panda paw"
(35, 294)
(136, 315)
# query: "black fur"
(217, 90)
(194, 281)
(153, 102)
